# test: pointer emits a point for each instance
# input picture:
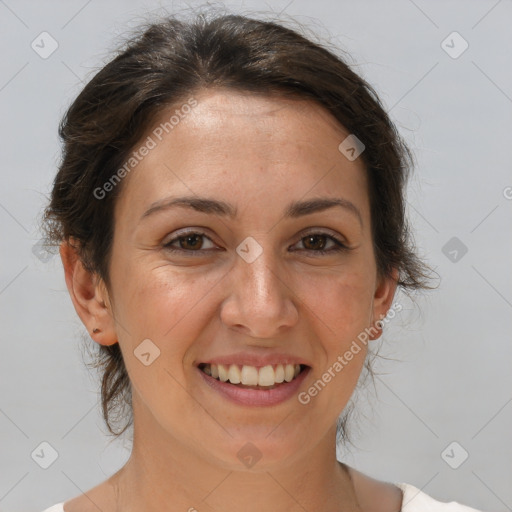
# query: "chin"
(257, 449)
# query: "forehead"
(239, 146)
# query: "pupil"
(313, 238)
(192, 237)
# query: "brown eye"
(189, 243)
(322, 243)
(315, 242)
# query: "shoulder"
(375, 495)
(380, 496)
(415, 500)
(101, 497)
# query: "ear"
(89, 296)
(382, 299)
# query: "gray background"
(449, 375)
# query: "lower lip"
(256, 397)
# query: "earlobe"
(88, 295)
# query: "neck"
(164, 475)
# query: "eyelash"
(339, 246)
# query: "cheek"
(170, 309)
(163, 301)
(339, 310)
(342, 301)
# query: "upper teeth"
(251, 376)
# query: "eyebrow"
(212, 206)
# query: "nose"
(261, 302)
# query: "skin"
(258, 153)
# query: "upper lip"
(246, 358)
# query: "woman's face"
(247, 279)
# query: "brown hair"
(164, 64)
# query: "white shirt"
(414, 500)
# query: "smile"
(246, 376)
(254, 386)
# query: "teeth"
(234, 374)
(279, 373)
(249, 376)
(266, 375)
(289, 370)
(223, 374)
(252, 376)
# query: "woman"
(230, 215)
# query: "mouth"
(254, 381)
(252, 377)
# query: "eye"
(317, 242)
(192, 241)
